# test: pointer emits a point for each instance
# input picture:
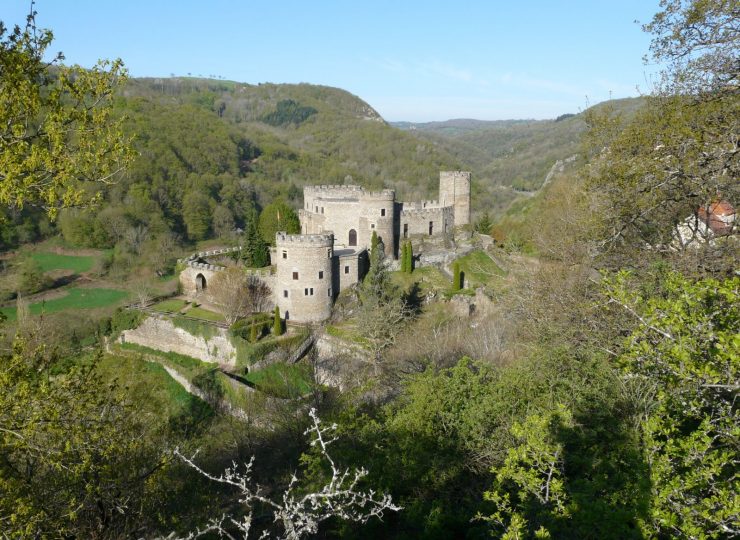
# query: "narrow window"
(346, 269)
(295, 275)
(311, 291)
(328, 253)
(352, 237)
(329, 291)
(322, 209)
(317, 209)
(372, 225)
(431, 228)
(321, 274)
(285, 294)
(285, 254)
(405, 230)
(305, 291)
(382, 211)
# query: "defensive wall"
(159, 332)
(198, 273)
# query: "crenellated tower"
(303, 286)
(454, 190)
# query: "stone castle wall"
(341, 209)
(159, 332)
(415, 222)
(196, 277)
(303, 288)
(454, 190)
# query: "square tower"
(454, 190)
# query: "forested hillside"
(511, 156)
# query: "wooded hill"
(509, 156)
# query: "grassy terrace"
(172, 305)
(206, 315)
(75, 298)
(479, 269)
(53, 261)
(428, 277)
(282, 380)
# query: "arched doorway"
(352, 237)
(200, 282)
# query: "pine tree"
(456, 281)
(255, 252)
(277, 324)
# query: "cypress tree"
(404, 250)
(277, 324)
(374, 249)
(456, 285)
(253, 333)
(409, 257)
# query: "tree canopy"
(59, 142)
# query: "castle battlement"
(426, 211)
(317, 240)
(350, 190)
(420, 205)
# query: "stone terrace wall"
(160, 333)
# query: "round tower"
(377, 213)
(303, 286)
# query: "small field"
(75, 298)
(53, 261)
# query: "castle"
(331, 253)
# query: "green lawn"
(76, 298)
(206, 315)
(428, 278)
(282, 380)
(479, 269)
(173, 305)
(53, 261)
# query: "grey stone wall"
(349, 269)
(415, 222)
(160, 333)
(454, 190)
(303, 288)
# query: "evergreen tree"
(404, 248)
(409, 257)
(456, 275)
(374, 253)
(277, 324)
(278, 216)
(255, 252)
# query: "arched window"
(352, 237)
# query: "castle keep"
(331, 254)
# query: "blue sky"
(411, 60)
